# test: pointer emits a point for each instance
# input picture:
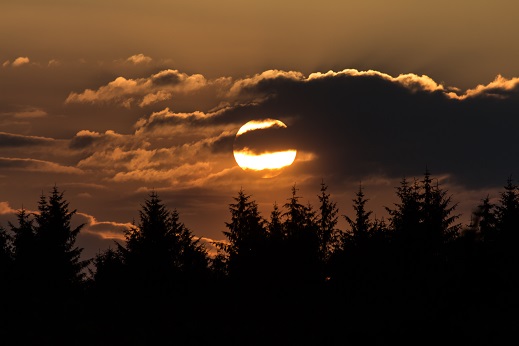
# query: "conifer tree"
(507, 213)
(438, 220)
(302, 244)
(423, 219)
(24, 246)
(484, 221)
(275, 224)
(161, 248)
(247, 237)
(405, 218)
(327, 221)
(59, 258)
(6, 254)
(360, 226)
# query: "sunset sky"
(111, 99)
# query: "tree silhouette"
(302, 243)
(484, 221)
(59, 262)
(6, 261)
(24, 246)
(109, 274)
(327, 221)
(507, 213)
(423, 220)
(438, 220)
(275, 224)
(247, 238)
(6, 254)
(161, 249)
(361, 225)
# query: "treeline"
(290, 278)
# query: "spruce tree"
(24, 248)
(161, 249)
(302, 243)
(327, 221)
(58, 256)
(247, 238)
(507, 214)
(6, 255)
(423, 220)
(275, 224)
(484, 221)
(361, 225)
(437, 220)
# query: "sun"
(263, 146)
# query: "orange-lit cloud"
(246, 83)
(183, 174)
(20, 61)
(5, 208)
(143, 91)
(259, 125)
(496, 88)
(139, 59)
(104, 229)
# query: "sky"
(109, 100)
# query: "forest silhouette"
(293, 277)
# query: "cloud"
(20, 61)
(183, 174)
(143, 91)
(357, 123)
(26, 112)
(139, 59)
(152, 98)
(86, 139)
(9, 140)
(244, 84)
(166, 117)
(34, 165)
(54, 63)
(30, 112)
(499, 88)
(103, 229)
(210, 245)
(5, 208)
(6, 63)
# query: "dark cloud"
(265, 140)
(34, 165)
(9, 140)
(223, 144)
(359, 125)
(81, 142)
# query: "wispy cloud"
(104, 229)
(9, 140)
(34, 165)
(139, 59)
(30, 112)
(142, 91)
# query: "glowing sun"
(263, 146)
